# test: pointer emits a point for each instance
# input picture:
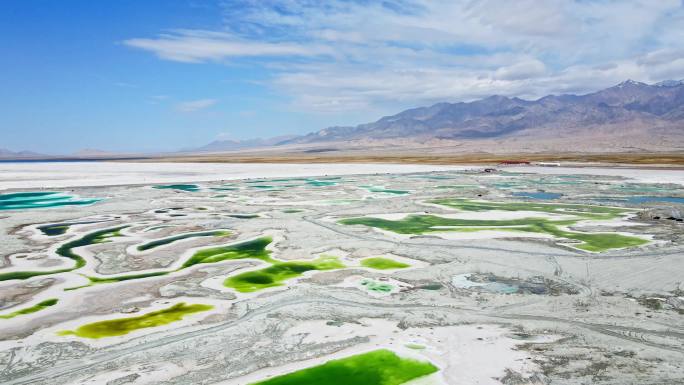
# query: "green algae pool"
(273, 275)
(252, 249)
(378, 287)
(66, 251)
(40, 199)
(320, 183)
(29, 310)
(244, 216)
(376, 189)
(123, 326)
(594, 242)
(54, 229)
(380, 263)
(278, 273)
(100, 236)
(378, 367)
(255, 249)
(584, 211)
(118, 278)
(165, 241)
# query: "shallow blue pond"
(537, 195)
(40, 199)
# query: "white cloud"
(195, 105)
(341, 55)
(199, 46)
(521, 70)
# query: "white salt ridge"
(58, 175)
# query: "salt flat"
(297, 265)
(645, 175)
(73, 174)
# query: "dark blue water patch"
(40, 199)
(537, 195)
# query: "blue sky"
(131, 75)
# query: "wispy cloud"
(195, 105)
(198, 46)
(350, 55)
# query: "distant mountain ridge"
(630, 107)
(229, 144)
(628, 117)
(7, 154)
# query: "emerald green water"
(54, 229)
(596, 242)
(166, 241)
(380, 263)
(35, 308)
(277, 273)
(181, 187)
(376, 286)
(585, 211)
(379, 367)
(123, 326)
(278, 183)
(40, 199)
(100, 236)
(384, 190)
(320, 183)
(250, 249)
(66, 251)
(118, 278)
(255, 248)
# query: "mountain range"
(629, 109)
(630, 116)
(231, 144)
(7, 154)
